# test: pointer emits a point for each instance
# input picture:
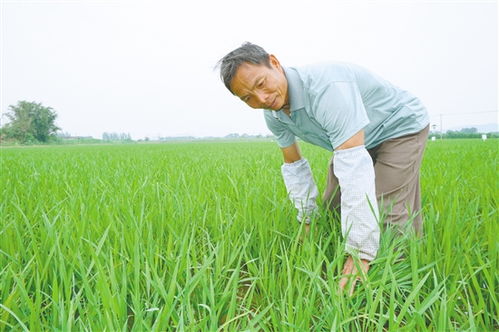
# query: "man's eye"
(260, 84)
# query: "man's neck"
(286, 109)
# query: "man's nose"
(263, 98)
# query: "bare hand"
(351, 274)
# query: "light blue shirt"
(329, 103)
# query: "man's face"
(260, 86)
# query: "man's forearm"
(301, 188)
(359, 209)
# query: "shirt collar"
(295, 89)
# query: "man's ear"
(274, 62)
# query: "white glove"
(359, 207)
(301, 188)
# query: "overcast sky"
(146, 67)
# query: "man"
(376, 130)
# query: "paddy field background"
(201, 237)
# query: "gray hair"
(247, 52)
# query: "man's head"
(256, 77)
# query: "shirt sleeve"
(340, 111)
(283, 135)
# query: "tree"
(30, 122)
(471, 130)
(122, 137)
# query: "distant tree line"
(471, 132)
(236, 136)
(117, 137)
(33, 123)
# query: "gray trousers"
(396, 168)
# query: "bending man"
(376, 130)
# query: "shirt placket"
(290, 122)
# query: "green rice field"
(200, 236)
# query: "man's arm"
(359, 210)
(355, 140)
(295, 170)
(291, 153)
(299, 182)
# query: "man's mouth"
(273, 103)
